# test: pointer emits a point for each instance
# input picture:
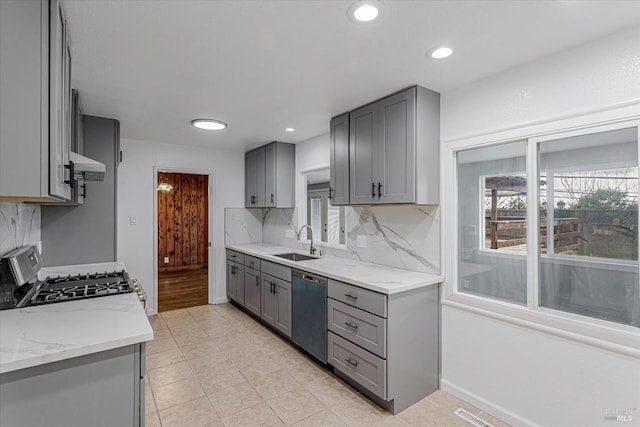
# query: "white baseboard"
(221, 300)
(487, 406)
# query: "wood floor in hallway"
(182, 289)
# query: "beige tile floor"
(215, 365)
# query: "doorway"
(183, 240)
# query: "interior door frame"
(211, 288)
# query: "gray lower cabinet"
(387, 346)
(235, 282)
(339, 160)
(276, 303)
(70, 233)
(100, 389)
(252, 293)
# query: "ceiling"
(262, 66)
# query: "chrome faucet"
(312, 249)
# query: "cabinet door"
(249, 179)
(59, 111)
(339, 160)
(363, 130)
(270, 175)
(255, 178)
(268, 308)
(252, 294)
(394, 150)
(283, 307)
(235, 282)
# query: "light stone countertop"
(33, 336)
(378, 278)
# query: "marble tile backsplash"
(242, 225)
(397, 236)
(19, 225)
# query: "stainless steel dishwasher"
(309, 313)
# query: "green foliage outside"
(605, 200)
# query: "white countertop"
(42, 334)
(378, 278)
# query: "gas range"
(68, 288)
(21, 287)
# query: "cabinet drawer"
(235, 256)
(252, 262)
(359, 327)
(366, 369)
(364, 299)
(276, 270)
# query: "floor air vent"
(469, 417)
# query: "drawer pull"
(353, 297)
(351, 325)
(351, 362)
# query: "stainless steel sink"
(296, 256)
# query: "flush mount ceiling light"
(365, 10)
(290, 129)
(440, 52)
(209, 124)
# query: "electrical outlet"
(133, 220)
(465, 284)
(166, 260)
(362, 242)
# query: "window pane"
(316, 215)
(589, 227)
(333, 223)
(492, 182)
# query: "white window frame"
(607, 335)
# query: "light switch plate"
(362, 242)
(133, 220)
(166, 260)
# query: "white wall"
(136, 195)
(525, 376)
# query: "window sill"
(608, 336)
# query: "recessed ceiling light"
(290, 129)
(440, 52)
(365, 10)
(209, 124)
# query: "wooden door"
(183, 222)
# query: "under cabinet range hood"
(86, 169)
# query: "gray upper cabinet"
(394, 149)
(280, 175)
(363, 131)
(270, 176)
(339, 160)
(35, 107)
(254, 178)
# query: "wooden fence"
(512, 232)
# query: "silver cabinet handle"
(351, 325)
(351, 362)
(353, 297)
